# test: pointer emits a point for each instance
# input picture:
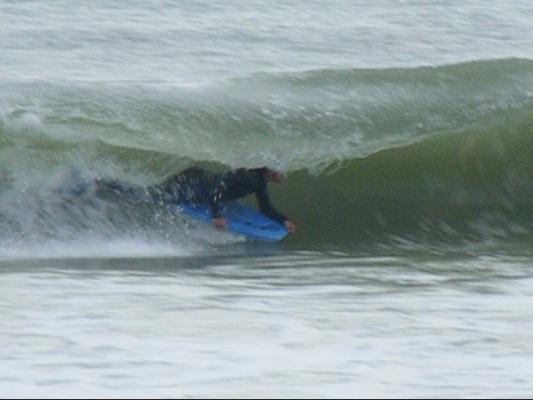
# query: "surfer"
(196, 185)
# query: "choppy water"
(405, 131)
(284, 324)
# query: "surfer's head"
(272, 175)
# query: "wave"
(472, 184)
(427, 153)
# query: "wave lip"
(293, 120)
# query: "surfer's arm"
(290, 226)
(267, 208)
(218, 220)
(214, 203)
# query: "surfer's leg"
(109, 186)
(189, 186)
(75, 184)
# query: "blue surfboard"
(242, 220)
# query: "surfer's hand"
(220, 222)
(290, 226)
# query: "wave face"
(416, 154)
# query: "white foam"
(24, 123)
(97, 248)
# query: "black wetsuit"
(195, 185)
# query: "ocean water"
(405, 133)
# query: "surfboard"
(242, 220)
